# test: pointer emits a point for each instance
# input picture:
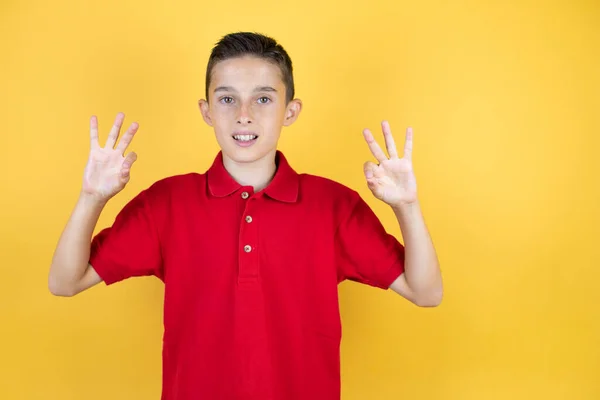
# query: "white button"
(244, 195)
(247, 248)
(248, 219)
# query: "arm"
(393, 182)
(70, 272)
(421, 281)
(107, 172)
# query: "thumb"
(369, 169)
(127, 163)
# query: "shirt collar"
(283, 187)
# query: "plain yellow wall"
(504, 100)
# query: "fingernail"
(369, 174)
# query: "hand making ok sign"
(392, 180)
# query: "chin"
(246, 155)
(247, 146)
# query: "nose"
(244, 116)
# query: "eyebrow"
(258, 89)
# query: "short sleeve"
(130, 247)
(365, 251)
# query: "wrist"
(90, 200)
(406, 208)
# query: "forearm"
(422, 271)
(71, 257)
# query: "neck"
(257, 174)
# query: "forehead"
(246, 71)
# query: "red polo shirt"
(251, 279)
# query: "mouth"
(246, 137)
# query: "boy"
(250, 251)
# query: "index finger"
(126, 139)
(374, 146)
(94, 132)
(408, 144)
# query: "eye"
(226, 100)
(264, 100)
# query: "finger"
(127, 163)
(94, 132)
(114, 132)
(408, 144)
(372, 185)
(127, 137)
(389, 140)
(369, 169)
(129, 160)
(375, 149)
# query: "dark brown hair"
(241, 44)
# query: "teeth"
(244, 138)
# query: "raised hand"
(108, 170)
(392, 180)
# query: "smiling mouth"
(245, 138)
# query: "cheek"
(222, 115)
(221, 111)
(270, 115)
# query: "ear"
(205, 111)
(292, 112)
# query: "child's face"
(247, 107)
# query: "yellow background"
(504, 100)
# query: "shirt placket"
(248, 241)
(253, 373)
